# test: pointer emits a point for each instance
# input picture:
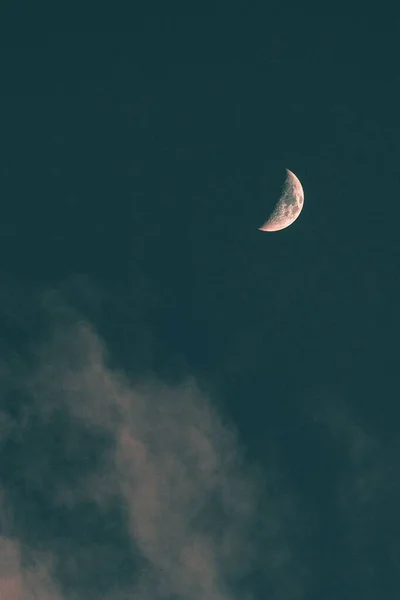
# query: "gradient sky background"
(191, 408)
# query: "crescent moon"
(288, 207)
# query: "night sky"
(192, 408)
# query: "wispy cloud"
(120, 490)
(24, 582)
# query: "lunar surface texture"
(288, 207)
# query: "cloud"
(29, 582)
(117, 489)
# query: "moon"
(288, 207)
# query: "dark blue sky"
(139, 156)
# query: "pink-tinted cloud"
(24, 582)
(136, 490)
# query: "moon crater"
(288, 207)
